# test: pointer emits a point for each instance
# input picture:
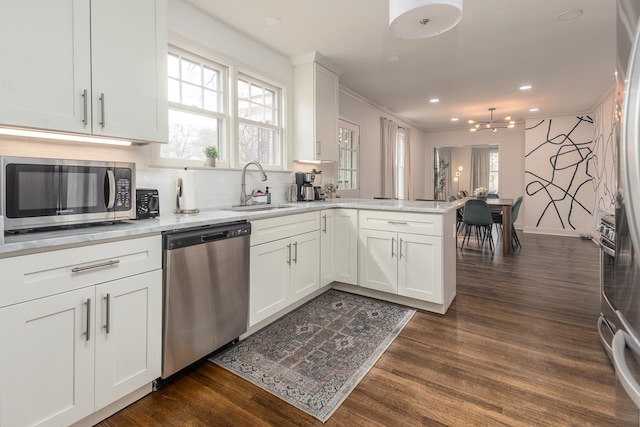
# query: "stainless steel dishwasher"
(206, 291)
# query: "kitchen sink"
(256, 208)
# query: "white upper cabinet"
(315, 96)
(85, 66)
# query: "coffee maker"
(304, 182)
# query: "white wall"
(358, 110)
(559, 193)
(605, 156)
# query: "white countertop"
(15, 244)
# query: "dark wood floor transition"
(518, 347)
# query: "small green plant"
(211, 151)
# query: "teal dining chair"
(515, 240)
(477, 216)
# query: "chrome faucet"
(244, 197)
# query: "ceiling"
(498, 46)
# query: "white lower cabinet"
(66, 354)
(407, 264)
(339, 246)
(285, 263)
(327, 247)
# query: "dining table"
(496, 205)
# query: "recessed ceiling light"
(455, 119)
(271, 21)
(525, 87)
(568, 15)
(533, 110)
(434, 100)
(393, 58)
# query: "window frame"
(495, 150)
(401, 138)
(355, 128)
(279, 90)
(230, 131)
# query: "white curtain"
(388, 137)
(480, 167)
(396, 177)
(408, 177)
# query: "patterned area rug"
(316, 355)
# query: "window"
(349, 141)
(197, 92)
(400, 157)
(259, 131)
(200, 91)
(494, 170)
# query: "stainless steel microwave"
(53, 192)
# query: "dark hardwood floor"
(518, 347)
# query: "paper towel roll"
(185, 191)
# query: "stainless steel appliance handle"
(92, 266)
(85, 101)
(607, 250)
(295, 252)
(601, 323)
(88, 332)
(324, 229)
(102, 121)
(107, 326)
(111, 177)
(393, 244)
(289, 257)
(620, 342)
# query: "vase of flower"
(210, 155)
(330, 190)
(481, 193)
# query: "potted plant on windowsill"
(210, 154)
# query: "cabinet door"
(346, 246)
(129, 51)
(128, 335)
(269, 279)
(420, 267)
(326, 97)
(47, 360)
(305, 265)
(45, 50)
(327, 247)
(378, 253)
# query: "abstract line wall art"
(559, 173)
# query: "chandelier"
(492, 125)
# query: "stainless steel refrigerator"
(624, 291)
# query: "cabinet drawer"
(268, 230)
(403, 222)
(39, 275)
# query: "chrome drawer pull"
(102, 121)
(397, 222)
(85, 102)
(90, 267)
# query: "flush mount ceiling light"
(491, 124)
(420, 19)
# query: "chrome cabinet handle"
(393, 244)
(85, 101)
(397, 222)
(318, 147)
(99, 265)
(102, 121)
(324, 230)
(295, 256)
(620, 341)
(88, 332)
(107, 326)
(289, 258)
(400, 248)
